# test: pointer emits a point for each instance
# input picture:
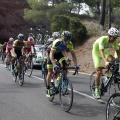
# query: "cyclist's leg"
(110, 59)
(6, 60)
(49, 77)
(97, 65)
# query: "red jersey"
(9, 46)
(29, 45)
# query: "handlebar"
(57, 70)
(113, 68)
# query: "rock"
(11, 18)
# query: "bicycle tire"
(3, 57)
(114, 87)
(65, 90)
(45, 79)
(15, 74)
(112, 109)
(22, 80)
(92, 84)
(9, 65)
(29, 69)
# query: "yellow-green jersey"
(18, 45)
(58, 46)
(102, 43)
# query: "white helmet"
(31, 39)
(11, 39)
(113, 32)
(66, 35)
(56, 34)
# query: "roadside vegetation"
(59, 15)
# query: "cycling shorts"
(97, 58)
(18, 52)
(59, 57)
(9, 49)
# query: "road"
(29, 102)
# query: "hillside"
(84, 52)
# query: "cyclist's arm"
(73, 57)
(102, 55)
(65, 54)
(52, 52)
(118, 54)
(13, 50)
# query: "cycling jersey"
(102, 43)
(58, 46)
(115, 55)
(31, 39)
(9, 46)
(48, 45)
(29, 44)
(3, 48)
(19, 44)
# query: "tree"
(109, 13)
(102, 16)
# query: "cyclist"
(30, 37)
(29, 50)
(8, 50)
(46, 53)
(100, 51)
(3, 48)
(0, 49)
(48, 45)
(56, 53)
(17, 49)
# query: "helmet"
(20, 36)
(31, 39)
(66, 35)
(11, 39)
(113, 32)
(30, 34)
(5, 43)
(56, 34)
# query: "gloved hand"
(56, 66)
(76, 66)
(107, 64)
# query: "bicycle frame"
(61, 81)
(112, 78)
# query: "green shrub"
(72, 24)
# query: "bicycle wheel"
(113, 107)
(66, 94)
(92, 83)
(15, 74)
(114, 87)
(3, 57)
(29, 68)
(21, 80)
(9, 65)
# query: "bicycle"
(64, 88)
(29, 66)
(113, 107)
(9, 61)
(112, 83)
(44, 71)
(19, 70)
(3, 56)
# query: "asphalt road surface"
(29, 102)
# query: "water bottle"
(104, 79)
(57, 81)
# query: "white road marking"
(80, 93)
